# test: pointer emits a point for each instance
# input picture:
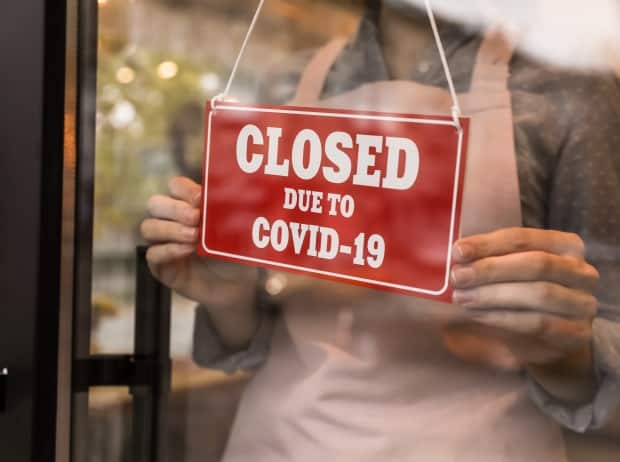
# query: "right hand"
(172, 232)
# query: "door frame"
(32, 89)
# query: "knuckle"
(592, 273)
(573, 265)
(482, 296)
(520, 238)
(513, 231)
(485, 269)
(150, 254)
(591, 306)
(577, 244)
(152, 258)
(167, 252)
(145, 229)
(587, 273)
(479, 247)
(151, 204)
(545, 292)
(540, 325)
(174, 182)
(177, 210)
(543, 264)
(154, 204)
(195, 187)
(573, 262)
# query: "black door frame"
(32, 91)
(48, 54)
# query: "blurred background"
(159, 61)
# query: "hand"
(530, 294)
(173, 231)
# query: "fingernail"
(463, 252)
(197, 198)
(463, 297)
(463, 277)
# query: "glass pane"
(109, 423)
(159, 61)
(356, 373)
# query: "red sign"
(365, 198)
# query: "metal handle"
(152, 340)
(147, 372)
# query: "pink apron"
(360, 375)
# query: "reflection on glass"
(159, 61)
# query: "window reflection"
(158, 62)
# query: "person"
(533, 343)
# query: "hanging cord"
(244, 45)
(456, 108)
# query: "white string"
(233, 72)
(456, 108)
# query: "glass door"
(147, 68)
(141, 387)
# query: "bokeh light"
(167, 70)
(125, 75)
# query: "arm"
(572, 359)
(585, 198)
(532, 290)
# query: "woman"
(353, 374)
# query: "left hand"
(530, 294)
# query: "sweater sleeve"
(210, 352)
(584, 198)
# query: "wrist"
(231, 303)
(236, 324)
(571, 378)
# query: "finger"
(155, 231)
(554, 331)
(167, 208)
(515, 240)
(528, 266)
(544, 297)
(185, 189)
(158, 255)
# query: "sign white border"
(372, 282)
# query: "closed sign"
(364, 198)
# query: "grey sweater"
(567, 135)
